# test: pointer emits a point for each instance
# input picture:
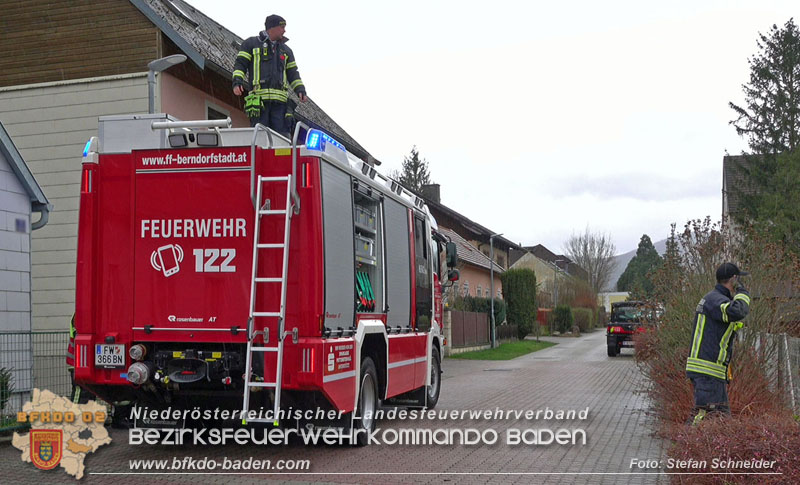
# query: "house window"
(455, 289)
(214, 112)
(478, 291)
(466, 288)
(487, 295)
(499, 293)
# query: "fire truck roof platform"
(159, 131)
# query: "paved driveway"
(575, 374)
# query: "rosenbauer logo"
(174, 319)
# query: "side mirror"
(453, 275)
(452, 255)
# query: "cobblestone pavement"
(575, 374)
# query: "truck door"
(422, 267)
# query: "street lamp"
(555, 285)
(491, 284)
(157, 66)
(555, 280)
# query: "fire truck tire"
(612, 350)
(436, 379)
(367, 402)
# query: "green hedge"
(519, 292)
(600, 321)
(562, 318)
(481, 305)
(584, 318)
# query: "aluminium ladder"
(252, 334)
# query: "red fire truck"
(236, 268)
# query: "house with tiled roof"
(65, 64)
(474, 248)
(474, 268)
(562, 261)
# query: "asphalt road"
(575, 374)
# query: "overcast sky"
(537, 118)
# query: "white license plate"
(109, 356)
(627, 343)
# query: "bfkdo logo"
(46, 447)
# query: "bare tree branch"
(593, 252)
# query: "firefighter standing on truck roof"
(268, 64)
(717, 318)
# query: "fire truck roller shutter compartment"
(337, 213)
(398, 264)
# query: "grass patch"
(9, 423)
(506, 351)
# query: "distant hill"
(622, 261)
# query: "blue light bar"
(86, 148)
(314, 140)
(317, 140)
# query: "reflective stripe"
(698, 335)
(238, 73)
(256, 67)
(723, 343)
(245, 55)
(271, 94)
(705, 367)
(724, 309)
(296, 83)
(291, 65)
(743, 297)
(704, 371)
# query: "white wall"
(50, 124)
(15, 245)
(15, 282)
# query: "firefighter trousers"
(273, 115)
(710, 396)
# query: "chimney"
(432, 192)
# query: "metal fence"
(34, 360)
(507, 332)
(782, 355)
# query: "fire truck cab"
(237, 268)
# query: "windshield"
(626, 314)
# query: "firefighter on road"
(269, 66)
(717, 317)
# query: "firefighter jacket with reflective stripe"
(716, 320)
(269, 67)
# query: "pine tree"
(770, 118)
(773, 208)
(635, 277)
(415, 171)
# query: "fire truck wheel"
(367, 402)
(436, 379)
